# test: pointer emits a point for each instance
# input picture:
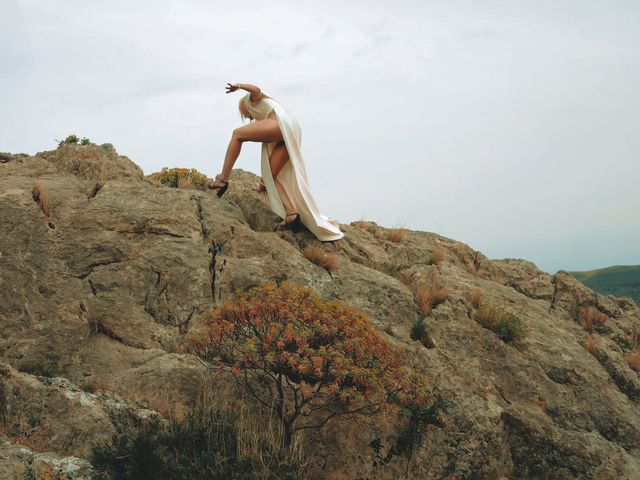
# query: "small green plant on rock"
(506, 325)
(419, 329)
(420, 417)
(413, 433)
(70, 139)
(419, 332)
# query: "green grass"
(505, 325)
(418, 330)
(620, 280)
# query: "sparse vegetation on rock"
(419, 329)
(69, 139)
(590, 345)
(429, 296)
(633, 360)
(315, 254)
(397, 235)
(591, 319)
(506, 325)
(152, 263)
(180, 178)
(476, 298)
(74, 140)
(40, 196)
(438, 255)
(207, 444)
(39, 367)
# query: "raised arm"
(256, 93)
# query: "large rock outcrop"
(97, 285)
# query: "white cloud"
(509, 126)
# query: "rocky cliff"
(102, 271)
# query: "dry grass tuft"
(185, 182)
(360, 224)
(538, 402)
(96, 325)
(430, 296)
(316, 254)
(476, 298)
(80, 167)
(154, 181)
(591, 318)
(95, 385)
(590, 345)
(634, 338)
(397, 235)
(472, 265)
(405, 276)
(166, 405)
(39, 194)
(438, 255)
(103, 173)
(259, 432)
(472, 268)
(633, 360)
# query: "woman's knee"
(237, 134)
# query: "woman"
(283, 171)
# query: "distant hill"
(621, 280)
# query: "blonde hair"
(244, 112)
(242, 106)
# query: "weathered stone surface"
(18, 461)
(100, 290)
(53, 413)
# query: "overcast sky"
(510, 126)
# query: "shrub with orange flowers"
(311, 360)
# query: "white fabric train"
(293, 176)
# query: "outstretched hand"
(231, 88)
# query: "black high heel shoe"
(221, 190)
(294, 225)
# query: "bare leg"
(278, 159)
(266, 130)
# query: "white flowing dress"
(293, 175)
